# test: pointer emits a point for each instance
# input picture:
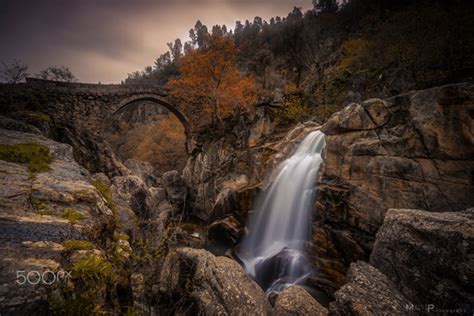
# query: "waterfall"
(280, 224)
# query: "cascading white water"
(273, 250)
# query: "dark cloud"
(103, 40)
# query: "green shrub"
(72, 215)
(295, 109)
(35, 155)
(71, 245)
(90, 276)
(93, 269)
(353, 52)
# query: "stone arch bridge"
(88, 106)
(79, 111)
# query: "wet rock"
(285, 267)
(368, 292)
(175, 187)
(411, 151)
(295, 300)
(429, 256)
(202, 283)
(287, 146)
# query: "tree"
(176, 49)
(326, 6)
(211, 80)
(201, 34)
(14, 72)
(57, 73)
(162, 61)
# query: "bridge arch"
(161, 100)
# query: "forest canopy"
(338, 52)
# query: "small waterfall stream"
(273, 251)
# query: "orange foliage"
(211, 81)
(161, 143)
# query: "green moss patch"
(73, 244)
(72, 215)
(35, 155)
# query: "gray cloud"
(103, 40)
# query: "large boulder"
(295, 300)
(368, 293)
(201, 283)
(38, 213)
(429, 256)
(225, 233)
(411, 151)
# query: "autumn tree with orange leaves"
(210, 81)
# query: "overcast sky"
(103, 40)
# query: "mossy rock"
(34, 154)
(72, 215)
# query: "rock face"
(175, 187)
(411, 151)
(195, 281)
(11, 124)
(143, 170)
(368, 292)
(296, 301)
(33, 226)
(429, 256)
(134, 200)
